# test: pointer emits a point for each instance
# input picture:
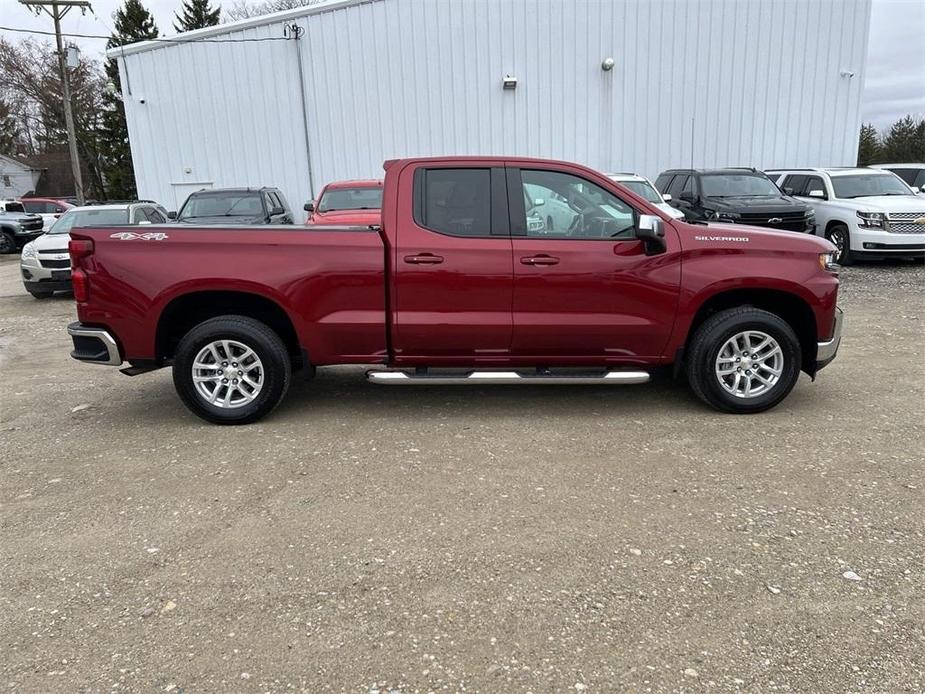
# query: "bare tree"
(242, 9)
(30, 84)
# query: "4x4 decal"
(132, 236)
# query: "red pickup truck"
(464, 282)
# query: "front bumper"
(826, 351)
(94, 345)
(878, 243)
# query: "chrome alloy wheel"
(228, 374)
(749, 364)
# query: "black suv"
(235, 206)
(742, 196)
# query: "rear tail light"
(80, 285)
(79, 248)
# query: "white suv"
(866, 213)
(643, 187)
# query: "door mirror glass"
(309, 206)
(172, 214)
(816, 193)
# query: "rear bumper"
(94, 345)
(826, 351)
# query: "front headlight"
(810, 214)
(724, 216)
(28, 251)
(827, 261)
(872, 220)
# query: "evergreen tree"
(196, 14)
(869, 147)
(133, 23)
(903, 142)
(9, 129)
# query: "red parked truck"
(462, 283)
(355, 203)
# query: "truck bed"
(330, 281)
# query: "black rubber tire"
(844, 258)
(710, 338)
(7, 244)
(256, 335)
(41, 295)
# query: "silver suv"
(17, 227)
(45, 264)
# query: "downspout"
(294, 31)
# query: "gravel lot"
(504, 539)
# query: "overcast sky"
(895, 83)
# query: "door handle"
(541, 259)
(424, 259)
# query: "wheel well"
(834, 223)
(787, 306)
(187, 311)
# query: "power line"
(160, 40)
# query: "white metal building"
(17, 177)
(766, 83)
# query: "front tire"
(231, 370)
(743, 360)
(841, 239)
(7, 244)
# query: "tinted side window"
(680, 184)
(908, 175)
(453, 201)
(154, 216)
(813, 183)
(796, 182)
(662, 182)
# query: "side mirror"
(171, 215)
(687, 196)
(276, 211)
(817, 194)
(309, 206)
(788, 191)
(650, 231)
(916, 189)
(666, 197)
(143, 221)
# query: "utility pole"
(59, 8)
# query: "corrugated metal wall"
(713, 82)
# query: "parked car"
(455, 287)
(643, 186)
(912, 174)
(738, 195)
(234, 206)
(17, 227)
(45, 265)
(346, 202)
(48, 208)
(866, 213)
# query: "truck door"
(584, 290)
(452, 281)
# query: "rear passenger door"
(452, 279)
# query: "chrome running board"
(411, 378)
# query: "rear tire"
(841, 239)
(7, 244)
(716, 366)
(265, 370)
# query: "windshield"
(243, 204)
(14, 207)
(866, 185)
(643, 189)
(737, 186)
(89, 218)
(350, 199)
